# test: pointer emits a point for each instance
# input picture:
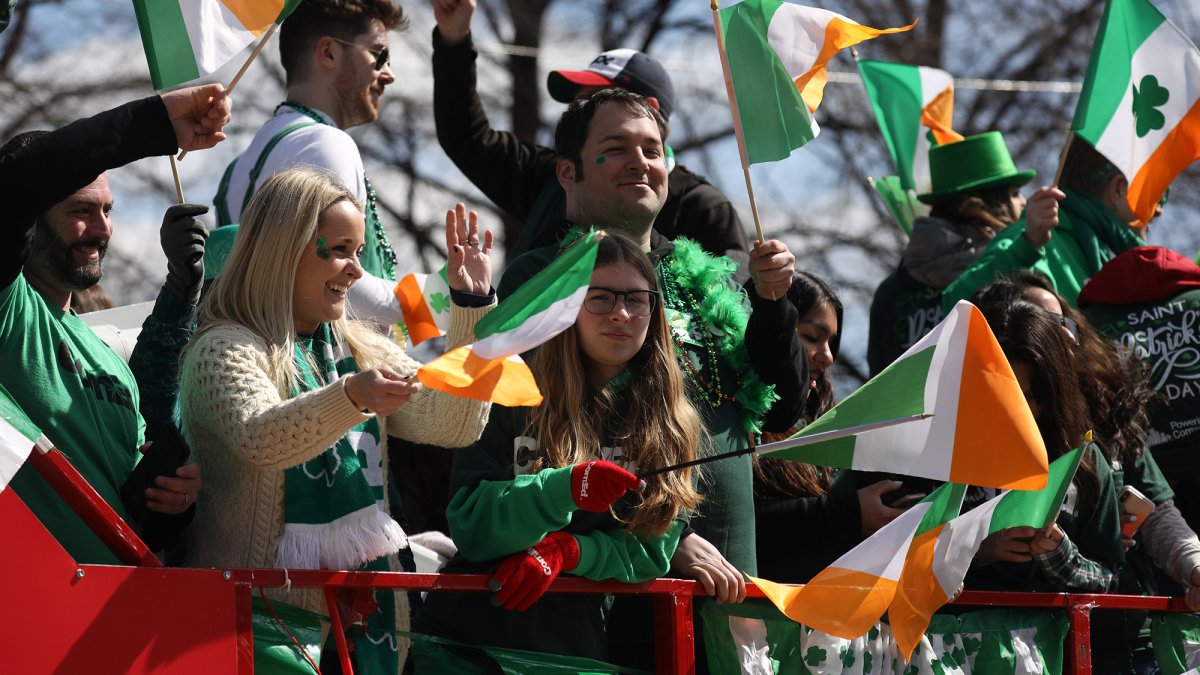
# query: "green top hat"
(216, 250)
(974, 163)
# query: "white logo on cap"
(611, 63)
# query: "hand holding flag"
(490, 369)
(198, 115)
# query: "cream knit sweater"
(244, 435)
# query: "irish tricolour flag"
(1140, 105)
(425, 303)
(188, 39)
(848, 597)
(18, 436)
(981, 431)
(490, 369)
(938, 559)
(777, 53)
(911, 103)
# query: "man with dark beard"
(71, 384)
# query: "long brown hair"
(1031, 335)
(651, 419)
(1115, 386)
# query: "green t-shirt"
(84, 399)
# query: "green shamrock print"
(847, 657)
(1146, 101)
(867, 658)
(815, 656)
(439, 302)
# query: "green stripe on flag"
(895, 92)
(1023, 508)
(11, 413)
(288, 7)
(944, 505)
(898, 391)
(568, 272)
(775, 120)
(165, 39)
(1125, 26)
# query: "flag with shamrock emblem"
(1140, 104)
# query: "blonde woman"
(289, 403)
(552, 489)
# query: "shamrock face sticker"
(1147, 97)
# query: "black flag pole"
(794, 442)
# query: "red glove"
(597, 485)
(524, 576)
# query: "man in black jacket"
(72, 385)
(519, 177)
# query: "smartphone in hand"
(1134, 503)
(166, 453)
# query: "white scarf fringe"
(342, 544)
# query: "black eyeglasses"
(603, 300)
(381, 57)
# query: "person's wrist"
(453, 38)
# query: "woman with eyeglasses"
(554, 489)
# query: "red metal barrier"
(113, 617)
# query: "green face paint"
(322, 252)
(600, 159)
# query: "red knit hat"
(1141, 274)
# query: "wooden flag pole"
(250, 59)
(737, 118)
(1062, 157)
(178, 183)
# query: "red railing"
(42, 578)
(674, 627)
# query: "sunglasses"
(382, 58)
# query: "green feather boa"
(725, 307)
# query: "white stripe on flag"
(215, 33)
(14, 450)
(1171, 58)
(882, 554)
(535, 330)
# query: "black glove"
(183, 236)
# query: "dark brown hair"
(1029, 334)
(342, 19)
(984, 209)
(1115, 386)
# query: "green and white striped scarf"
(333, 508)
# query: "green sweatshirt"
(498, 508)
(1088, 235)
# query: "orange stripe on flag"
(1177, 151)
(418, 320)
(461, 373)
(996, 440)
(255, 15)
(841, 602)
(939, 117)
(839, 34)
(919, 594)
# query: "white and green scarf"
(333, 508)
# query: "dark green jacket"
(499, 508)
(1088, 235)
